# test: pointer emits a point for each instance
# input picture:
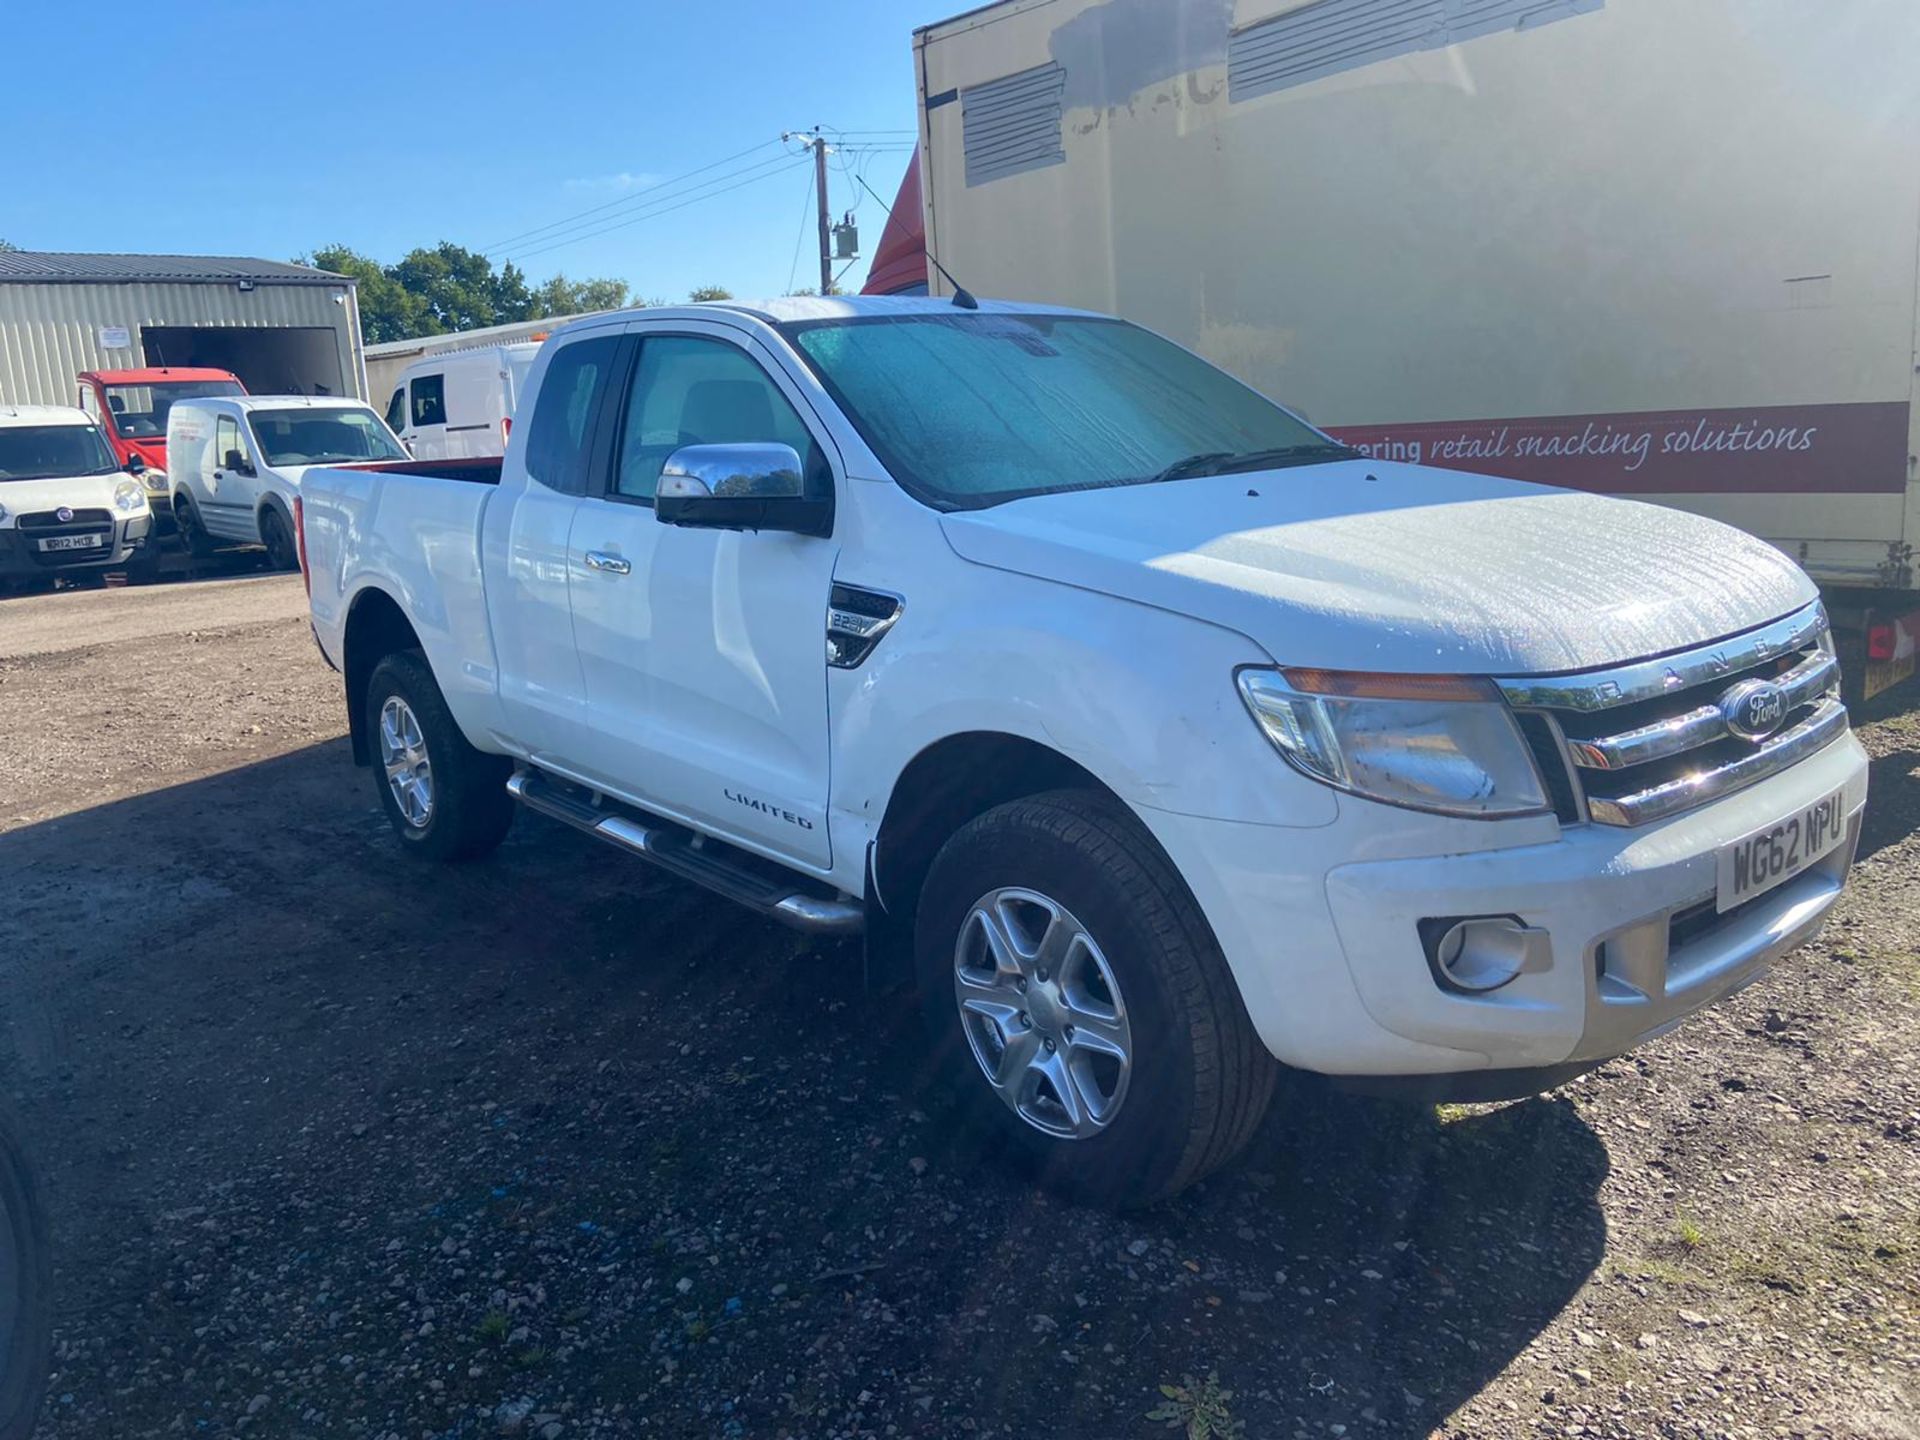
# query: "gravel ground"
(335, 1145)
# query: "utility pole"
(820, 194)
(818, 143)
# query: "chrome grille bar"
(1702, 725)
(1697, 721)
(1827, 723)
(1650, 679)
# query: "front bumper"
(21, 557)
(1330, 962)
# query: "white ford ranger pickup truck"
(1173, 741)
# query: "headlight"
(154, 480)
(1443, 743)
(128, 496)
(3, 512)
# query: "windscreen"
(139, 412)
(322, 437)
(973, 408)
(43, 452)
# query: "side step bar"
(675, 850)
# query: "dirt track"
(335, 1145)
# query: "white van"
(460, 404)
(66, 506)
(234, 463)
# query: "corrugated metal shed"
(48, 267)
(280, 327)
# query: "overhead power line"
(786, 165)
(622, 200)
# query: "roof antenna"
(962, 297)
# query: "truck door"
(232, 481)
(427, 417)
(528, 559)
(397, 415)
(704, 651)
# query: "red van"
(131, 407)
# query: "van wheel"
(194, 534)
(444, 799)
(277, 536)
(1079, 1005)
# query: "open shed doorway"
(284, 360)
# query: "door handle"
(612, 564)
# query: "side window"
(429, 399)
(90, 402)
(561, 432)
(226, 439)
(689, 391)
(397, 411)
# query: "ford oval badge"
(1753, 709)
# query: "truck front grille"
(1641, 742)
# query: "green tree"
(561, 296)
(8, 245)
(388, 310)
(710, 292)
(448, 287)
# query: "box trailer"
(1665, 251)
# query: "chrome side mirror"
(739, 487)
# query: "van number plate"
(1756, 864)
(72, 542)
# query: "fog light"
(1473, 954)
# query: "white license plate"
(73, 542)
(1755, 864)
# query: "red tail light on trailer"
(300, 542)
(1880, 642)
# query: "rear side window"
(561, 432)
(429, 400)
(397, 411)
(690, 391)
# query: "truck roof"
(790, 308)
(152, 374)
(16, 415)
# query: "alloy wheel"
(1042, 1013)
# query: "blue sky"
(267, 129)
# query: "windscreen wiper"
(1225, 462)
(1320, 452)
(1205, 463)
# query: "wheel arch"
(946, 784)
(376, 628)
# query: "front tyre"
(193, 533)
(1079, 1004)
(277, 535)
(444, 799)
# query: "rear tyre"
(193, 533)
(1079, 1006)
(444, 799)
(277, 535)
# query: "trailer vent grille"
(1332, 36)
(1012, 124)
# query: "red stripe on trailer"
(1856, 449)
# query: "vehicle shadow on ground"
(686, 1151)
